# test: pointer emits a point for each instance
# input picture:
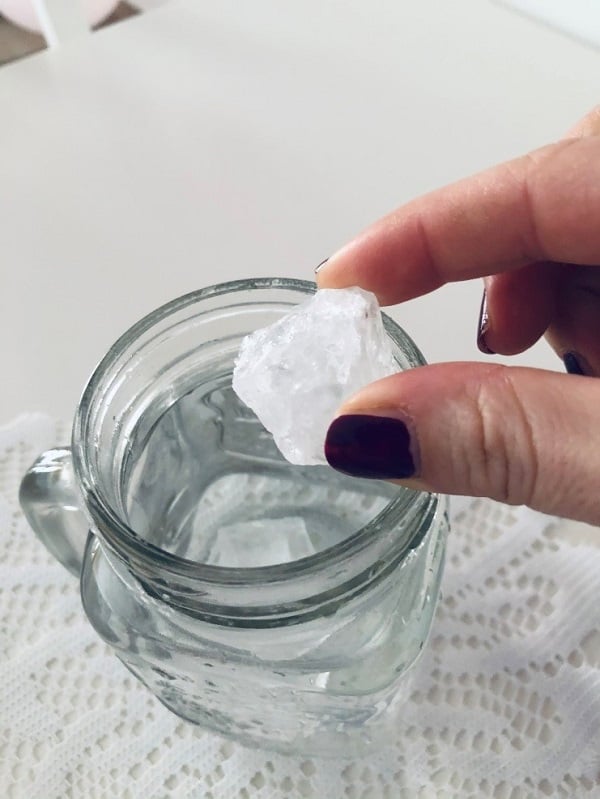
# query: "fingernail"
(483, 326)
(572, 363)
(370, 446)
(321, 265)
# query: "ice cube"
(295, 373)
(261, 542)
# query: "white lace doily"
(506, 702)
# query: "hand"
(531, 229)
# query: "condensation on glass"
(277, 605)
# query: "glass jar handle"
(52, 506)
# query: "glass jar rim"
(126, 542)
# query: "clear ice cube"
(295, 373)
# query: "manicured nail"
(370, 446)
(321, 265)
(572, 363)
(483, 326)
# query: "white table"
(203, 142)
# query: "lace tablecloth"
(506, 701)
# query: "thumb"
(521, 436)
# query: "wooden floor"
(17, 43)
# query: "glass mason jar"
(277, 605)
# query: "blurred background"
(21, 29)
(149, 148)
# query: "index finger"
(544, 206)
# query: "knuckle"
(593, 121)
(505, 465)
(589, 125)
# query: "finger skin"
(576, 320)
(522, 436)
(520, 307)
(589, 125)
(541, 207)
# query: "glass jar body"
(329, 685)
(275, 604)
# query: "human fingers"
(522, 436)
(541, 207)
(575, 330)
(517, 308)
(589, 125)
(562, 300)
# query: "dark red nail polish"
(572, 363)
(370, 446)
(483, 326)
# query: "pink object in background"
(24, 14)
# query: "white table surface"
(203, 142)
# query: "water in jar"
(208, 484)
